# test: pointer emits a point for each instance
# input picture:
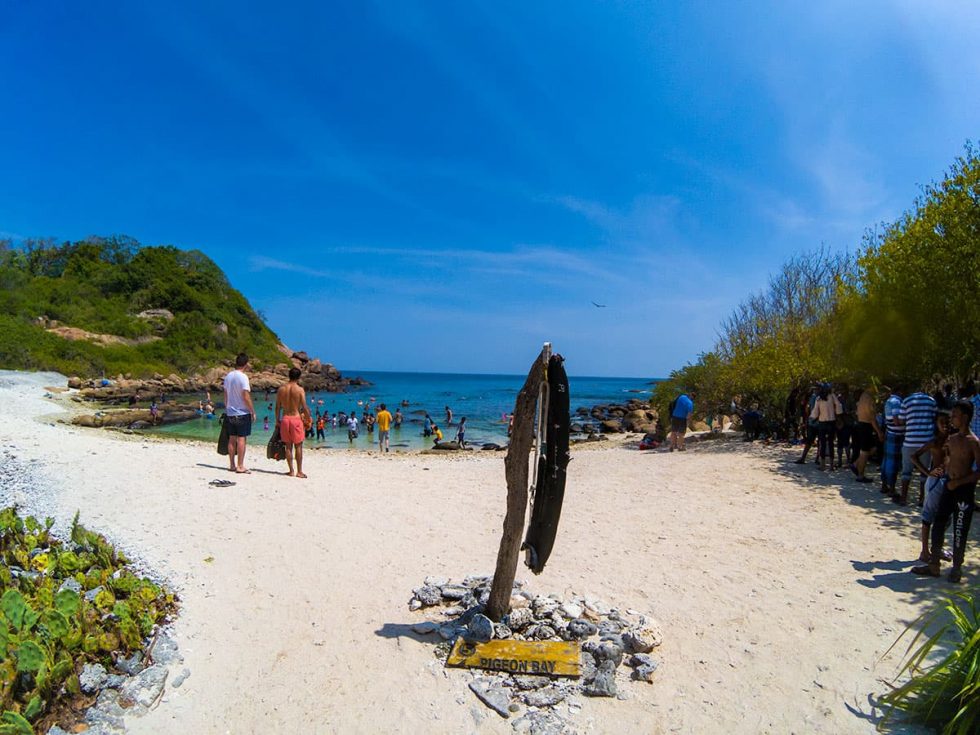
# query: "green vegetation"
(48, 631)
(902, 308)
(945, 693)
(101, 285)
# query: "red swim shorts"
(291, 430)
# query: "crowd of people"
(912, 435)
(298, 417)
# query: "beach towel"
(223, 436)
(276, 448)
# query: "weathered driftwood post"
(516, 470)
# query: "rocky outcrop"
(316, 376)
(635, 416)
(80, 335)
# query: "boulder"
(604, 683)
(610, 426)
(75, 382)
(164, 314)
(581, 629)
(92, 678)
(479, 630)
(644, 638)
(428, 595)
(301, 356)
(519, 619)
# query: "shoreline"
(72, 403)
(765, 577)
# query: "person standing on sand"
(934, 453)
(239, 413)
(292, 415)
(866, 431)
(679, 413)
(384, 429)
(918, 416)
(894, 438)
(810, 423)
(958, 498)
(825, 411)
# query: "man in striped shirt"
(918, 416)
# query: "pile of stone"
(609, 638)
(131, 688)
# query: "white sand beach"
(778, 587)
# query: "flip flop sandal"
(221, 483)
(924, 570)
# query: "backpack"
(672, 406)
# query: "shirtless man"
(867, 428)
(291, 416)
(957, 499)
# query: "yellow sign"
(518, 657)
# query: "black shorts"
(239, 425)
(678, 425)
(865, 436)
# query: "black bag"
(276, 448)
(223, 435)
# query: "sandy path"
(778, 587)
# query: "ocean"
(485, 401)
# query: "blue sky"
(443, 186)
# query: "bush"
(944, 694)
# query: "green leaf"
(130, 633)
(12, 723)
(33, 708)
(30, 657)
(31, 616)
(72, 685)
(104, 600)
(55, 622)
(13, 606)
(67, 602)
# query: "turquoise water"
(482, 399)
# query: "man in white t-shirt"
(239, 413)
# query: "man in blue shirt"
(680, 411)
(894, 438)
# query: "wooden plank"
(518, 657)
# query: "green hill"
(106, 286)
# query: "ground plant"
(943, 669)
(64, 604)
